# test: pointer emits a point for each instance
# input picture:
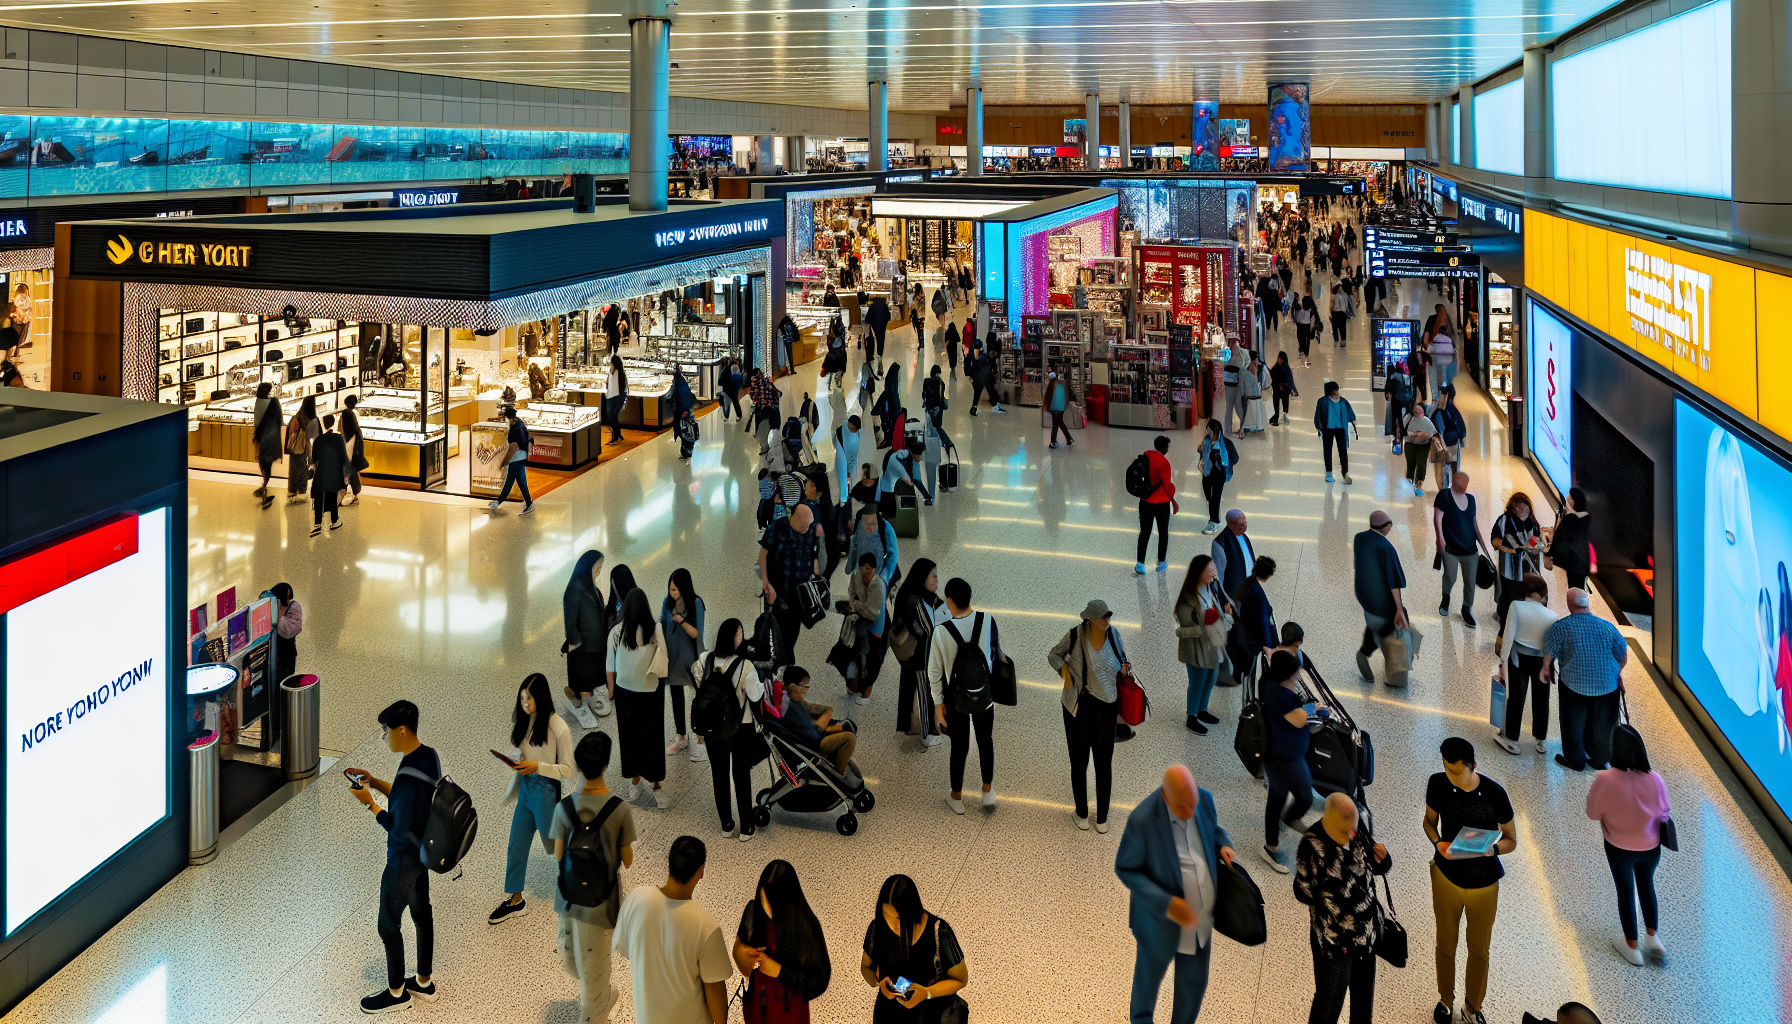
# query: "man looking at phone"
(1465, 884)
(1167, 856)
(405, 881)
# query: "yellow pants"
(1450, 902)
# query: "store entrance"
(1619, 482)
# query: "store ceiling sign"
(122, 251)
(704, 235)
(413, 197)
(1510, 218)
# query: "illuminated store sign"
(120, 251)
(1510, 218)
(426, 197)
(14, 228)
(681, 237)
(1669, 304)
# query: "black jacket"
(329, 461)
(879, 314)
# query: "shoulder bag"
(957, 1011)
(1390, 945)
(1135, 704)
(1004, 687)
(1669, 833)
(1238, 906)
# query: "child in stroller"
(811, 756)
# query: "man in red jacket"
(1157, 506)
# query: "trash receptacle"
(202, 799)
(211, 699)
(1515, 426)
(299, 711)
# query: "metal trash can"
(299, 711)
(1515, 443)
(202, 799)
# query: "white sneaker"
(634, 792)
(1082, 823)
(1102, 827)
(956, 804)
(932, 739)
(1001, 411)
(1653, 949)
(602, 701)
(989, 798)
(699, 753)
(661, 798)
(1633, 956)
(1510, 747)
(493, 507)
(860, 699)
(1347, 478)
(1542, 748)
(1211, 528)
(585, 717)
(678, 743)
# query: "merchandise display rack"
(205, 357)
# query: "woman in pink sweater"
(1630, 802)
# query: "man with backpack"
(516, 458)
(405, 881)
(960, 669)
(594, 836)
(1151, 480)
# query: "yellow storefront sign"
(1695, 315)
(177, 254)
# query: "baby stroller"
(804, 780)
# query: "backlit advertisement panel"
(1204, 140)
(86, 704)
(1290, 127)
(1733, 592)
(1549, 426)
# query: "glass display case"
(562, 435)
(1502, 332)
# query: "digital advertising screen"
(87, 623)
(1204, 140)
(1733, 598)
(1076, 130)
(1290, 127)
(1549, 401)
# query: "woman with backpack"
(1217, 459)
(681, 622)
(910, 634)
(541, 764)
(726, 684)
(1091, 662)
(780, 950)
(301, 430)
(636, 663)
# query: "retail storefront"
(325, 306)
(1654, 371)
(1491, 316)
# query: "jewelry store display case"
(562, 436)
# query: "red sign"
(951, 129)
(36, 574)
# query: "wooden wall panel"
(87, 333)
(1168, 125)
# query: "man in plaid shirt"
(765, 405)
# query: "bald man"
(1334, 864)
(1168, 858)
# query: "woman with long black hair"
(735, 748)
(622, 580)
(636, 663)
(906, 943)
(780, 950)
(587, 639)
(681, 621)
(910, 634)
(541, 763)
(889, 405)
(615, 396)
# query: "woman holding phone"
(681, 620)
(911, 957)
(780, 950)
(540, 762)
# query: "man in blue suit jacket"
(1167, 855)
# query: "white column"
(1126, 128)
(1092, 142)
(973, 129)
(878, 111)
(650, 47)
(1467, 156)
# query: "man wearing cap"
(1091, 661)
(1169, 857)
(1589, 655)
(1379, 581)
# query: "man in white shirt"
(1167, 859)
(955, 723)
(677, 960)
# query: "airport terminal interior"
(294, 296)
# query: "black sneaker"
(1123, 732)
(384, 1001)
(1468, 618)
(1443, 1014)
(427, 993)
(1195, 726)
(1563, 761)
(1209, 718)
(508, 911)
(528, 507)
(1444, 610)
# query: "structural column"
(1126, 128)
(1466, 158)
(1536, 117)
(973, 129)
(650, 47)
(879, 111)
(768, 158)
(795, 153)
(1434, 137)
(1761, 116)
(1092, 139)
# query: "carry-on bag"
(1394, 653)
(1238, 906)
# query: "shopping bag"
(1134, 704)
(1396, 658)
(1496, 705)
(1485, 576)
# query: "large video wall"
(52, 156)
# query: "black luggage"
(1252, 738)
(1340, 756)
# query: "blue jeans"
(1200, 687)
(534, 813)
(1190, 984)
(514, 473)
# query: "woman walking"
(911, 635)
(1281, 389)
(736, 747)
(1285, 763)
(1091, 662)
(1521, 663)
(587, 639)
(1418, 434)
(615, 397)
(1335, 420)
(301, 430)
(906, 943)
(1569, 548)
(636, 664)
(1308, 318)
(780, 950)
(1630, 802)
(1217, 458)
(681, 623)
(1057, 399)
(542, 764)
(1203, 620)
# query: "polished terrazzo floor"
(440, 603)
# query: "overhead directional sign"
(1382, 238)
(1423, 263)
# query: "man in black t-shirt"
(516, 456)
(1379, 583)
(1464, 884)
(1453, 523)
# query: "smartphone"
(356, 780)
(902, 985)
(504, 759)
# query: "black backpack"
(587, 878)
(452, 825)
(716, 709)
(1138, 477)
(968, 685)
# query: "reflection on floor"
(446, 605)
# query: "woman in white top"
(615, 395)
(636, 663)
(1522, 650)
(733, 751)
(543, 760)
(1443, 361)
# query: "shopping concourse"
(604, 516)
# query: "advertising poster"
(1290, 128)
(1733, 539)
(1549, 402)
(1390, 341)
(1204, 140)
(1076, 131)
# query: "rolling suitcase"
(948, 476)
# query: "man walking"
(1379, 582)
(1453, 522)
(1589, 655)
(1168, 858)
(1340, 308)
(789, 556)
(960, 701)
(404, 884)
(1157, 505)
(1333, 876)
(677, 961)
(516, 460)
